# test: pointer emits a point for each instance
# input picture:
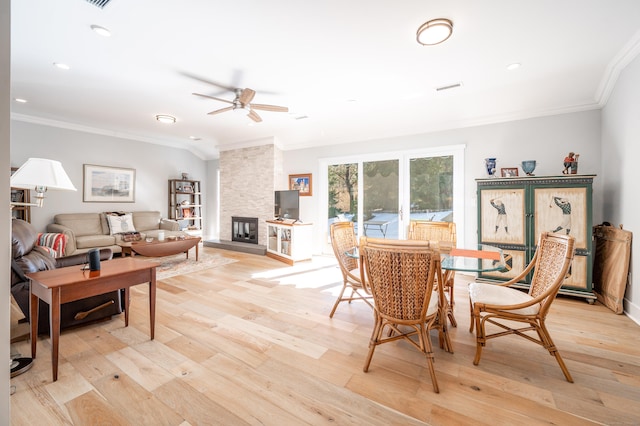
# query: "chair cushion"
(491, 294)
(433, 304)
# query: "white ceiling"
(353, 68)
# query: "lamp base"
(20, 365)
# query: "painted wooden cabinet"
(512, 212)
(289, 243)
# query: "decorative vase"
(490, 164)
(528, 166)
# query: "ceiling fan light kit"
(434, 32)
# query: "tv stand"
(289, 241)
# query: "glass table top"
(483, 258)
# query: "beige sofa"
(86, 231)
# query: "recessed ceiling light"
(434, 31)
(514, 66)
(61, 66)
(22, 101)
(194, 138)
(166, 119)
(101, 30)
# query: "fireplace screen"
(244, 229)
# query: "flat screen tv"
(287, 204)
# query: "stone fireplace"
(248, 178)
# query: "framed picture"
(509, 172)
(302, 183)
(104, 184)
(187, 187)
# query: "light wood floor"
(252, 343)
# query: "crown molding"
(627, 54)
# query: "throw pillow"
(120, 224)
(54, 243)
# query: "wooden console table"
(58, 286)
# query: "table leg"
(33, 317)
(54, 330)
(152, 303)
(126, 305)
(197, 244)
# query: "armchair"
(28, 257)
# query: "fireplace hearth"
(244, 229)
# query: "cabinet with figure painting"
(512, 212)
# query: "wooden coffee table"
(160, 248)
(62, 285)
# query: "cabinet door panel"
(502, 216)
(577, 277)
(562, 210)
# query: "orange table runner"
(480, 254)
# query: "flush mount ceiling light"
(166, 119)
(101, 30)
(20, 100)
(61, 66)
(514, 66)
(434, 32)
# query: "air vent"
(100, 3)
(449, 86)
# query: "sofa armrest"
(71, 236)
(169, 225)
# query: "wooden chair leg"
(335, 305)
(425, 344)
(551, 347)
(375, 338)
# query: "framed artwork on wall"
(302, 183)
(103, 184)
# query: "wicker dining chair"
(343, 239)
(444, 233)
(496, 303)
(401, 275)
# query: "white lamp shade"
(42, 172)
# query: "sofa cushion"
(145, 221)
(55, 242)
(93, 241)
(80, 223)
(120, 223)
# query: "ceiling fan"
(242, 103)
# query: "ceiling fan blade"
(273, 108)
(211, 82)
(246, 96)
(213, 97)
(218, 111)
(254, 116)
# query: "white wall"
(5, 224)
(154, 165)
(546, 139)
(620, 150)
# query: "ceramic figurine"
(571, 164)
(490, 164)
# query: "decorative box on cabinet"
(185, 205)
(289, 243)
(512, 212)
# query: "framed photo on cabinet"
(502, 216)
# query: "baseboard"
(237, 246)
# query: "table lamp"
(40, 174)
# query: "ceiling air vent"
(100, 3)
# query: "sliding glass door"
(382, 193)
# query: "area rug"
(178, 264)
